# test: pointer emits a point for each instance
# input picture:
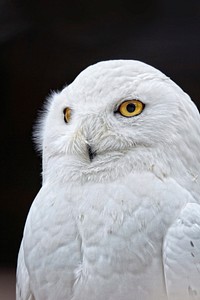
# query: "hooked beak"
(91, 153)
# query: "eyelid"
(116, 107)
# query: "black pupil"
(130, 107)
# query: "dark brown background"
(45, 44)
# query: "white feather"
(96, 229)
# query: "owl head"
(117, 117)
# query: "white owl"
(118, 213)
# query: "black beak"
(91, 154)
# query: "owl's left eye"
(67, 114)
(130, 108)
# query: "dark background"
(45, 44)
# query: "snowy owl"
(118, 213)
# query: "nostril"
(91, 153)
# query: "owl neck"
(162, 162)
(106, 167)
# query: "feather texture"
(117, 216)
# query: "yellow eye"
(67, 114)
(131, 108)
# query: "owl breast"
(121, 226)
(105, 239)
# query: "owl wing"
(23, 291)
(48, 235)
(181, 255)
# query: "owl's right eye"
(67, 114)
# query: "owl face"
(112, 110)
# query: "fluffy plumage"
(125, 222)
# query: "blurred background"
(44, 45)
